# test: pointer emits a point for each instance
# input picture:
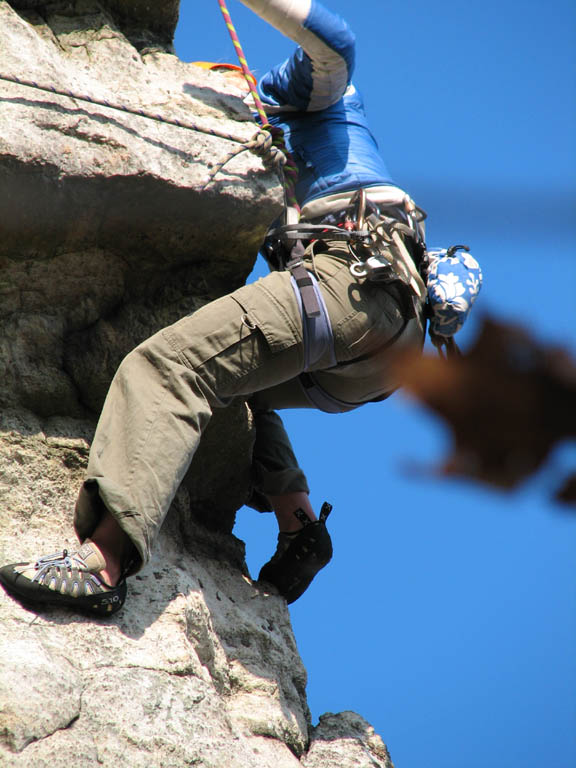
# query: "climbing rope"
(250, 79)
(123, 108)
(261, 144)
(287, 166)
(268, 143)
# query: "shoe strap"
(85, 559)
(302, 517)
(57, 559)
(325, 511)
(305, 520)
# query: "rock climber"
(346, 290)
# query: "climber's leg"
(304, 546)
(159, 402)
(284, 506)
(163, 395)
(114, 546)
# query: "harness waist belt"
(384, 195)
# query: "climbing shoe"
(65, 579)
(299, 556)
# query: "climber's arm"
(318, 73)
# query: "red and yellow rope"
(250, 79)
(290, 168)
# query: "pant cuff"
(93, 500)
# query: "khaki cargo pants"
(248, 344)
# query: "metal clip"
(374, 268)
(250, 324)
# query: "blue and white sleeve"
(318, 73)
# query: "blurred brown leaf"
(508, 401)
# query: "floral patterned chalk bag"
(453, 281)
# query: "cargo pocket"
(238, 344)
(272, 306)
(221, 331)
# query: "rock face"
(107, 235)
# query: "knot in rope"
(262, 145)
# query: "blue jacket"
(311, 97)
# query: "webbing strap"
(304, 281)
(316, 329)
(307, 291)
(318, 340)
(321, 399)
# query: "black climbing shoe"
(300, 556)
(65, 579)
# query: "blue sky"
(448, 615)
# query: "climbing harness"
(369, 227)
(375, 239)
(381, 231)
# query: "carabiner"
(358, 269)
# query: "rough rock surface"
(107, 235)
